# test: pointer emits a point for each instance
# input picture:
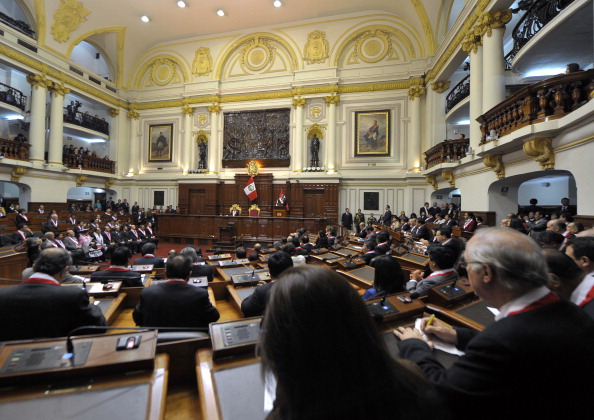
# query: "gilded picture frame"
(160, 143)
(372, 133)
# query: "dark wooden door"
(197, 202)
(313, 203)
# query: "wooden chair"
(254, 210)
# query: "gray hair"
(189, 252)
(52, 260)
(517, 260)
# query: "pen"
(430, 320)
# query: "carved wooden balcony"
(13, 149)
(543, 101)
(446, 151)
(89, 163)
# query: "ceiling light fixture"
(181, 3)
(220, 12)
(277, 3)
(145, 18)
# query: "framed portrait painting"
(160, 142)
(372, 133)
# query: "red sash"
(116, 269)
(547, 299)
(588, 298)
(37, 280)
(176, 281)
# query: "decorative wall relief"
(259, 135)
(317, 47)
(67, 19)
(202, 64)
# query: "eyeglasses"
(463, 264)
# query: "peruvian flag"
(250, 189)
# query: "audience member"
(148, 256)
(199, 269)
(540, 341)
(329, 362)
(565, 274)
(388, 277)
(40, 308)
(118, 270)
(441, 264)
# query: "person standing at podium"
(347, 219)
(40, 308)
(329, 362)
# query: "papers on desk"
(495, 311)
(358, 248)
(437, 343)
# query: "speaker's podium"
(280, 211)
(227, 233)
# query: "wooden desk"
(227, 273)
(238, 294)
(230, 388)
(474, 315)
(412, 261)
(361, 277)
(12, 263)
(133, 397)
(328, 259)
(81, 270)
(111, 307)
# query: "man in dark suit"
(565, 207)
(199, 268)
(347, 219)
(581, 250)
(368, 251)
(21, 218)
(175, 303)
(39, 307)
(538, 343)
(73, 246)
(421, 231)
(118, 270)
(255, 304)
(383, 243)
(387, 217)
(425, 209)
(443, 234)
(148, 257)
(51, 225)
(21, 235)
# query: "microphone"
(453, 285)
(383, 301)
(253, 274)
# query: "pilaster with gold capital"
(471, 42)
(416, 92)
(187, 110)
(59, 89)
(214, 108)
(56, 126)
(39, 80)
(114, 112)
(133, 114)
(332, 99)
(298, 102)
(299, 146)
(40, 83)
(493, 20)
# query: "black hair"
(444, 230)
(120, 256)
(148, 248)
(179, 267)
(442, 256)
(388, 276)
(583, 246)
(240, 252)
(278, 262)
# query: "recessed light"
(181, 3)
(144, 18)
(277, 3)
(220, 12)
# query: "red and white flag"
(250, 189)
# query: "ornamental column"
(56, 134)
(134, 141)
(214, 160)
(472, 44)
(39, 84)
(188, 112)
(298, 104)
(413, 160)
(331, 102)
(492, 25)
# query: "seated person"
(368, 251)
(441, 263)
(305, 244)
(581, 250)
(255, 304)
(316, 378)
(39, 307)
(565, 274)
(383, 243)
(118, 270)
(21, 235)
(240, 253)
(322, 241)
(289, 248)
(148, 257)
(443, 235)
(175, 303)
(388, 277)
(420, 230)
(198, 270)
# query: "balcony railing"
(12, 96)
(89, 163)
(19, 25)
(546, 100)
(538, 14)
(458, 93)
(86, 120)
(446, 151)
(13, 149)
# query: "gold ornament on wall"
(252, 168)
(17, 173)
(432, 179)
(114, 112)
(214, 108)
(39, 80)
(440, 87)
(298, 102)
(541, 148)
(67, 19)
(202, 64)
(187, 110)
(416, 92)
(493, 20)
(373, 46)
(316, 130)
(133, 113)
(109, 182)
(332, 100)
(496, 163)
(449, 176)
(471, 42)
(256, 54)
(316, 48)
(59, 89)
(80, 180)
(163, 72)
(201, 137)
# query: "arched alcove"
(446, 195)
(90, 196)
(16, 193)
(548, 187)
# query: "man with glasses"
(539, 346)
